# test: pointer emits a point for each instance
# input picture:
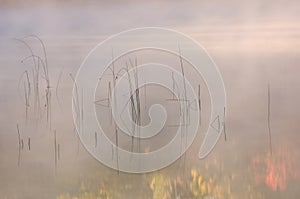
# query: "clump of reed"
(38, 76)
(34, 87)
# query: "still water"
(42, 157)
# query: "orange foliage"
(274, 170)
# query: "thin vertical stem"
(58, 151)
(269, 114)
(55, 150)
(96, 140)
(173, 85)
(199, 102)
(82, 110)
(185, 106)
(56, 89)
(117, 150)
(145, 97)
(224, 127)
(19, 145)
(29, 147)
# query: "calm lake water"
(254, 45)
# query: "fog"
(254, 44)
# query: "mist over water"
(254, 44)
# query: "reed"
(96, 140)
(185, 109)
(82, 111)
(27, 91)
(199, 104)
(224, 125)
(29, 144)
(117, 150)
(19, 145)
(58, 152)
(268, 120)
(76, 105)
(55, 151)
(39, 71)
(75, 99)
(57, 86)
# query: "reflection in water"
(275, 170)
